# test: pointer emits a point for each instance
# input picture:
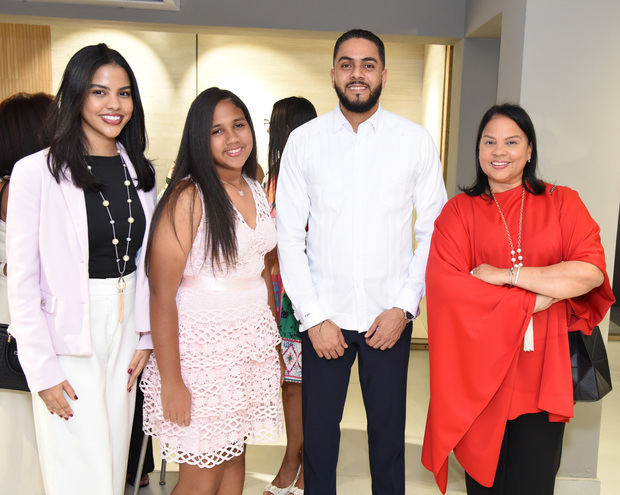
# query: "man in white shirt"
(353, 177)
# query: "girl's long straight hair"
(68, 147)
(195, 162)
(287, 114)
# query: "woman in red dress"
(514, 264)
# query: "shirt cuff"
(310, 317)
(409, 300)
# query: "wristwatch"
(408, 315)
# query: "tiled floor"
(353, 471)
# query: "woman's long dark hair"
(195, 162)
(287, 114)
(519, 116)
(22, 118)
(68, 143)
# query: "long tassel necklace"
(516, 257)
(120, 283)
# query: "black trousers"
(383, 380)
(529, 458)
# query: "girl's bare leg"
(291, 402)
(234, 476)
(224, 479)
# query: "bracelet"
(511, 274)
(517, 275)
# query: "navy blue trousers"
(383, 380)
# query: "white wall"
(574, 102)
(570, 87)
(480, 12)
(478, 92)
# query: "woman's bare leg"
(291, 402)
(300, 481)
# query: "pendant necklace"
(241, 193)
(516, 256)
(120, 283)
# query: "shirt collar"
(374, 121)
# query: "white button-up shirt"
(356, 193)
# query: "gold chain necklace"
(516, 256)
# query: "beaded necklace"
(120, 283)
(516, 256)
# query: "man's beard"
(358, 106)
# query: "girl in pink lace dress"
(213, 383)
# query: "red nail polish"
(52, 413)
(75, 397)
(129, 371)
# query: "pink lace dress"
(227, 345)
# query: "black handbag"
(11, 374)
(590, 366)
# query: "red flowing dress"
(480, 376)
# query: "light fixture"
(130, 4)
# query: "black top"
(102, 256)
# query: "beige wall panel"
(433, 90)
(25, 60)
(403, 92)
(264, 69)
(164, 65)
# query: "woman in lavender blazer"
(78, 215)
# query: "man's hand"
(327, 340)
(386, 329)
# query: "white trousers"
(88, 453)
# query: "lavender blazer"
(47, 259)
